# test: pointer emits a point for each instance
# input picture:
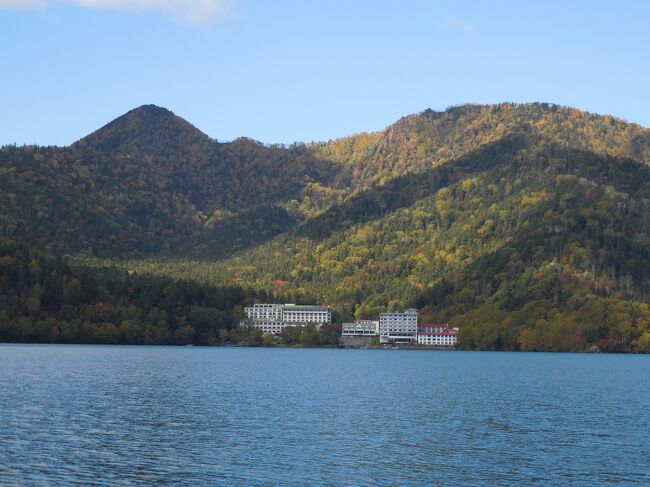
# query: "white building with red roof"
(437, 335)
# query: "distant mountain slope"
(418, 142)
(506, 242)
(150, 182)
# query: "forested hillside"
(149, 183)
(44, 299)
(520, 235)
(418, 142)
(526, 225)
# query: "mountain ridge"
(153, 111)
(152, 152)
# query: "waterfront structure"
(398, 327)
(273, 318)
(437, 335)
(360, 328)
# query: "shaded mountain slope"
(148, 131)
(150, 182)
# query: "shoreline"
(403, 348)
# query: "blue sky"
(303, 70)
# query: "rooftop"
(305, 306)
(439, 333)
(290, 306)
(409, 311)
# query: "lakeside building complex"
(440, 335)
(273, 318)
(398, 327)
(394, 327)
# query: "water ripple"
(224, 416)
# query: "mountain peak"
(148, 130)
(150, 110)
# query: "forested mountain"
(150, 182)
(150, 132)
(418, 142)
(526, 225)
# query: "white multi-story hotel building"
(273, 318)
(438, 335)
(398, 327)
(360, 328)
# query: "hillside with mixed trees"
(150, 182)
(526, 225)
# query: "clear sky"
(303, 70)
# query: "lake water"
(93, 415)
